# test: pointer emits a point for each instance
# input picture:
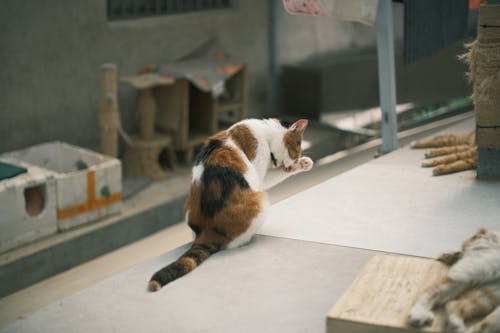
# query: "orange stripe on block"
(91, 185)
(91, 205)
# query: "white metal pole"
(386, 75)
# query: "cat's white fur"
(473, 283)
(261, 174)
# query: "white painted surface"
(391, 204)
(61, 160)
(17, 227)
(271, 285)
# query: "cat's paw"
(420, 316)
(305, 163)
(455, 324)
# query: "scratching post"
(147, 112)
(143, 150)
(141, 157)
(108, 117)
(484, 59)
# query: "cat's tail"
(185, 264)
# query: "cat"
(227, 203)
(471, 289)
(459, 153)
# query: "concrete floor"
(52, 290)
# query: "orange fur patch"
(242, 206)
(292, 140)
(490, 296)
(221, 136)
(227, 157)
(154, 286)
(189, 263)
(193, 205)
(245, 140)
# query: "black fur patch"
(173, 271)
(196, 229)
(273, 159)
(206, 150)
(285, 123)
(228, 178)
(197, 252)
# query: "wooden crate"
(382, 294)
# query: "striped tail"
(193, 257)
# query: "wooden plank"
(380, 297)
(147, 81)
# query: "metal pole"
(386, 75)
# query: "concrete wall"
(51, 51)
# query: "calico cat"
(227, 202)
(471, 289)
(459, 153)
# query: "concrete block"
(88, 184)
(488, 111)
(27, 207)
(488, 164)
(381, 296)
(488, 137)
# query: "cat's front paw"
(420, 316)
(305, 163)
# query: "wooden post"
(108, 117)
(485, 73)
(147, 113)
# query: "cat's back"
(481, 259)
(229, 151)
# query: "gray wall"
(51, 50)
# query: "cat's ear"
(299, 126)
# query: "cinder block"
(381, 296)
(88, 184)
(27, 207)
(488, 137)
(488, 164)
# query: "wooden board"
(380, 297)
(146, 81)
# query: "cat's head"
(287, 148)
